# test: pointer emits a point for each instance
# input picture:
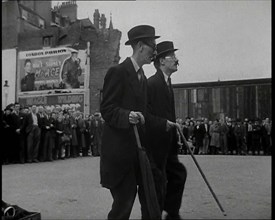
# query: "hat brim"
(165, 52)
(139, 38)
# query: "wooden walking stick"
(198, 166)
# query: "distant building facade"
(35, 25)
(236, 99)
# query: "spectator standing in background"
(215, 131)
(199, 132)
(266, 137)
(16, 128)
(33, 135)
(60, 151)
(53, 121)
(239, 132)
(223, 136)
(46, 145)
(80, 133)
(206, 138)
(66, 138)
(87, 135)
(249, 136)
(231, 140)
(97, 134)
(256, 137)
(7, 148)
(191, 131)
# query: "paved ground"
(70, 189)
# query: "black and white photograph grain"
(136, 109)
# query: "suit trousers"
(205, 144)
(176, 178)
(46, 147)
(124, 195)
(23, 146)
(33, 141)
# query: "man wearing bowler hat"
(169, 173)
(124, 105)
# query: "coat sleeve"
(110, 107)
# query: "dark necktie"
(140, 74)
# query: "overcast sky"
(225, 40)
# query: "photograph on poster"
(51, 69)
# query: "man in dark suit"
(18, 139)
(162, 143)
(206, 138)
(199, 131)
(123, 105)
(33, 135)
(27, 83)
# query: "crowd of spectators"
(40, 133)
(226, 136)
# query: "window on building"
(216, 100)
(57, 20)
(47, 41)
(194, 96)
(41, 23)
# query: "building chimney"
(69, 9)
(111, 23)
(103, 21)
(96, 18)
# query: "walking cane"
(198, 166)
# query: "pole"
(198, 166)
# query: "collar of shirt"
(165, 77)
(136, 66)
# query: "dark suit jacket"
(28, 123)
(199, 133)
(208, 128)
(122, 93)
(160, 104)
(27, 83)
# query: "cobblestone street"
(70, 189)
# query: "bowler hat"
(141, 32)
(165, 47)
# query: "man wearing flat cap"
(71, 70)
(124, 105)
(170, 174)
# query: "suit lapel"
(132, 77)
(170, 97)
(163, 83)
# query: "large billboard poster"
(68, 100)
(51, 69)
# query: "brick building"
(34, 25)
